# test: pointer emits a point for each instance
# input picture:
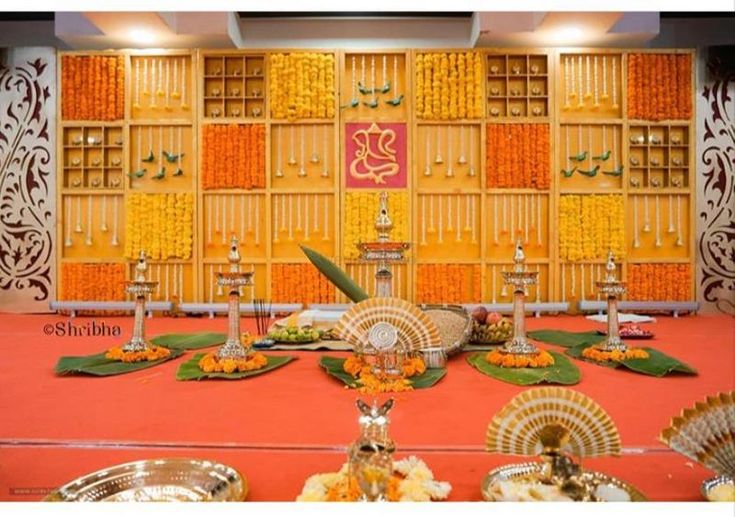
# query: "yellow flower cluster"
(302, 85)
(153, 353)
(160, 224)
(449, 85)
(359, 221)
(590, 226)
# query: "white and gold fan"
(706, 433)
(413, 329)
(556, 420)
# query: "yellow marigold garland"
(359, 219)
(160, 224)
(301, 85)
(369, 383)
(542, 359)
(449, 85)
(590, 226)
(211, 363)
(601, 356)
(153, 353)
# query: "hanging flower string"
(659, 86)
(233, 156)
(449, 86)
(302, 85)
(518, 156)
(92, 87)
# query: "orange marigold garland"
(233, 156)
(518, 156)
(542, 359)
(370, 383)
(448, 283)
(659, 282)
(92, 87)
(292, 283)
(92, 282)
(211, 363)
(602, 356)
(659, 86)
(153, 353)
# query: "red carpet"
(295, 421)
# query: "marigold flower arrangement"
(233, 156)
(92, 282)
(659, 86)
(302, 85)
(449, 85)
(368, 382)
(590, 226)
(211, 363)
(92, 87)
(359, 219)
(518, 156)
(154, 353)
(412, 480)
(300, 283)
(161, 224)
(602, 356)
(542, 359)
(659, 282)
(448, 283)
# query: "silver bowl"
(163, 480)
(452, 340)
(434, 357)
(709, 484)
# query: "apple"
(492, 318)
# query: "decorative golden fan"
(414, 330)
(706, 433)
(553, 419)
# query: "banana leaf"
(189, 341)
(657, 364)
(562, 372)
(334, 366)
(190, 371)
(334, 274)
(100, 366)
(566, 339)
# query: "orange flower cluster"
(233, 156)
(153, 353)
(659, 282)
(542, 359)
(92, 87)
(211, 363)
(369, 383)
(347, 489)
(448, 283)
(92, 282)
(660, 86)
(518, 156)
(294, 283)
(601, 356)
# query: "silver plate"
(530, 471)
(709, 484)
(170, 479)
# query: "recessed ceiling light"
(142, 36)
(569, 34)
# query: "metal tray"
(530, 471)
(462, 337)
(161, 480)
(709, 484)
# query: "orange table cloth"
(296, 420)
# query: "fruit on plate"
(479, 314)
(294, 335)
(496, 329)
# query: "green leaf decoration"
(334, 366)
(395, 102)
(363, 89)
(353, 104)
(562, 372)
(657, 364)
(172, 158)
(100, 366)
(566, 339)
(160, 174)
(190, 371)
(334, 274)
(590, 173)
(579, 157)
(385, 88)
(604, 156)
(150, 158)
(137, 174)
(568, 172)
(372, 104)
(616, 172)
(178, 172)
(189, 341)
